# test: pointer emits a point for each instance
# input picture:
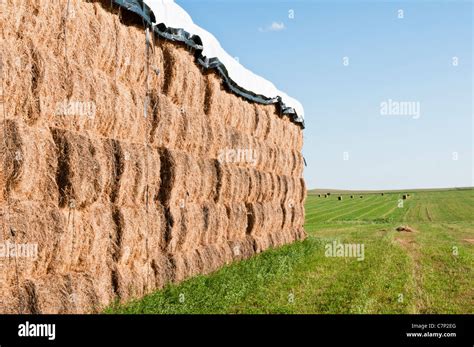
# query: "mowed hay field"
(429, 270)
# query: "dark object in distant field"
(405, 197)
(382, 194)
(405, 228)
(361, 197)
(352, 196)
(328, 194)
(339, 198)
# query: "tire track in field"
(320, 206)
(322, 216)
(428, 214)
(333, 217)
(389, 212)
(408, 212)
(354, 211)
(407, 241)
(318, 212)
(383, 206)
(370, 211)
(334, 208)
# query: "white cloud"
(275, 26)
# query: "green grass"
(428, 271)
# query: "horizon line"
(388, 190)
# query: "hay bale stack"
(120, 204)
(83, 169)
(68, 241)
(140, 237)
(28, 162)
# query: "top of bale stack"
(173, 23)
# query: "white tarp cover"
(174, 16)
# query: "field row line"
(354, 211)
(335, 208)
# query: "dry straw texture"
(124, 185)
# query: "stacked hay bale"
(119, 203)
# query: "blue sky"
(349, 144)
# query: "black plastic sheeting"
(138, 7)
(195, 42)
